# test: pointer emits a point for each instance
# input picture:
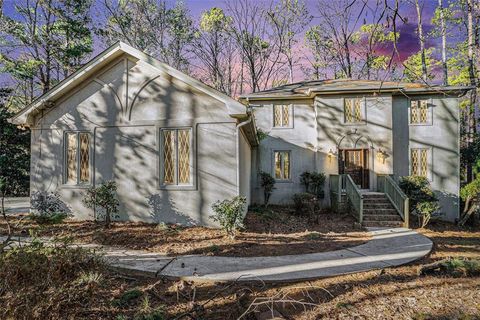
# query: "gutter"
(241, 124)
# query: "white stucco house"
(175, 146)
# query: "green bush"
(314, 183)
(422, 200)
(305, 203)
(268, 185)
(470, 194)
(229, 214)
(48, 208)
(105, 197)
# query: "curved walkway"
(388, 248)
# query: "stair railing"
(396, 196)
(355, 197)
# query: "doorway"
(355, 163)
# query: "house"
(173, 145)
(373, 131)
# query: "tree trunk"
(421, 39)
(444, 43)
(471, 121)
(107, 219)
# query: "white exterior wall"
(123, 108)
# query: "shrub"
(48, 208)
(58, 272)
(417, 190)
(305, 203)
(424, 212)
(422, 199)
(103, 196)
(314, 182)
(229, 214)
(268, 184)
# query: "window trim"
(429, 160)
(363, 110)
(77, 184)
(430, 106)
(193, 180)
(290, 179)
(291, 116)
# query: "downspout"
(241, 124)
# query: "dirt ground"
(267, 232)
(393, 293)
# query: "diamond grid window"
(282, 165)
(84, 157)
(281, 116)
(77, 158)
(353, 110)
(184, 156)
(176, 156)
(168, 156)
(419, 162)
(71, 157)
(419, 111)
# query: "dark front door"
(355, 163)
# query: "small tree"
(424, 212)
(306, 179)
(103, 196)
(229, 214)
(470, 194)
(268, 184)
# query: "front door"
(355, 163)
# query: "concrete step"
(382, 217)
(389, 211)
(374, 196)
(387, 224)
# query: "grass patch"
(127, 297)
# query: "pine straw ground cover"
(267, 232)
(75, 285)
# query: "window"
(419, 112)
(77, 156)
(419, 162)
(282, 116)
(353, 110)
(282, 165)
(176, 157)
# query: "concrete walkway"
(17, 205)
(388, 248)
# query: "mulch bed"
(276, 231)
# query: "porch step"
(377, 205)
(381, 217)
(378, 211)
(388, 211)
(386, 224)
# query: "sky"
(407, 44)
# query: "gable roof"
(307, 89)
(235, 108)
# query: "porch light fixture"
(382, 155)
(331, 154)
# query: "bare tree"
(338, 22)
(443, 32)
(216, 51)
(421, 39)
(261, 54)
(289, 18)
